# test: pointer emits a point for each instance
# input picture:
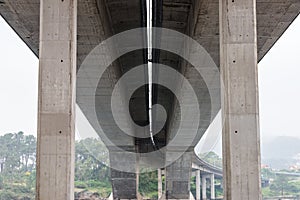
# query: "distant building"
(294, 167)
(264, 166)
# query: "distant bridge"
(287, 173)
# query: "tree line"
(18, 166)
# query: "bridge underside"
(96, 21)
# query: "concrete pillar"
(56, 104)
(212, 186)
(159, 180)
(178, 177)
(124, 183)
(238, 60)
(204, 196)
(198, 195)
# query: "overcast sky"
(279, 85)
(18, 83)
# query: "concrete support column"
(212, 187)
(204, 196)
(125, 182)
(238, 60)
(198, 195)
(56, 104)
(159, 178)
(178, 177)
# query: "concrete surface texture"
(48, 28)
(241, 139)
(56, 109)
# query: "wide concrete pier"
(238, 63)
(56, 109)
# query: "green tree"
(17, 153)
(18, 160)
(10, 151)
(29, 153)
(148, 184)
(282, 185)
(212, 158)
(91, 164)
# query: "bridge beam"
(238, 63)
(56, 108)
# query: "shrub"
(5, 195)
(80, 184)
(1, 182)
(21, 189)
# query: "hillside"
(281, 152)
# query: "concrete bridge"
(236, 34)
(202, 171)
